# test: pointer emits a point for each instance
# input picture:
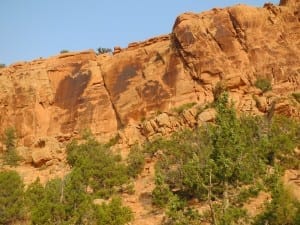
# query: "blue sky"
(40, 28)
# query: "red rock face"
(63, 95)
(58, 97)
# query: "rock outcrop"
(62, 95)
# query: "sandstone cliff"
(64, 94)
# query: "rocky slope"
(62, 95)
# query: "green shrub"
(281, 139)
(64, 51)
(101, 169)
(2, 65)
(177, 213)
(135, 161)
(10, 138)
(179, 110)
(248, 192)
(296, 96)
(10, 157)
(263, 84)
(284, 209)
(68, 201)
(161, 193)
(215, 162)
(49, 209)
(113, 213)
(60, 202)
(104, 50)
(34, 193)
(113, 141)
(231, 215)
(218, 90)
(12, 206)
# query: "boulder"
(40, 157)
(207, 115)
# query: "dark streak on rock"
(122, 81)
(70, 89)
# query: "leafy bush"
(12, 206)
(234, 150)
(113, 213)
(231, 215)
(64, 51)
(218, 90)
(161, 193)
(104, 50)
(10, 157)
(135, 161)
(263, 84)
(180, 109)
(49, 209)
(227, 151)
(282, 210)
(296, 96)
(34, 193)
(101, 169)
(2, 65)
(278, 140)
(177, 213)
(60, 202)
(213, 163)
(113, 141)
(68, 201)
(248, 192)
(96, 172)
(10, 138)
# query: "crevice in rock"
(240, 36)
(180, 50)
(118, 118)
(213, 37)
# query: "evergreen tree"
(12, 206)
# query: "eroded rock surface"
(62, 95)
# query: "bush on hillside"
(101, 169)
(263, 84)
(179, 110)
(296, 96)
(10, 156)
(135, 161)
(12, 207)
(284, 209)
(178, 213)
(67, 202)
(215, 161)
(113, 213)
(218, 90)
(60, 202)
